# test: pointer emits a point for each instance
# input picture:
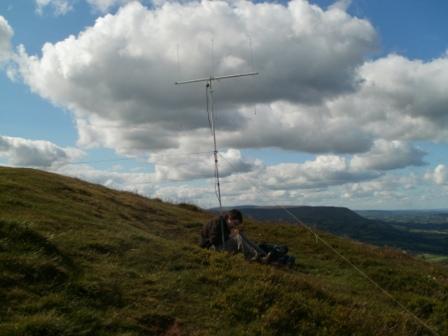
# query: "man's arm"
(211, 233)
(215, 234)
(205, 241)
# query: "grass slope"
(81, 259)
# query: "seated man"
(223, 233)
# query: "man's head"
(234, 218)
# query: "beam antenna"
(209, 82)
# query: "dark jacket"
(211, 233)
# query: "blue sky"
(351, 112)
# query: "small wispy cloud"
(342, 4)
(439, 175)
(6, 33)
(59, 7)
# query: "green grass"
(81, 259)
(434, 258)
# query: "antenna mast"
(211, 115)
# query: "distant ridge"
(345, 222)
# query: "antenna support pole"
(210, 105)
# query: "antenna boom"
(212, 78)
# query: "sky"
(350, 107)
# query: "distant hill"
(81, 259)
(345, 222)
(436, 218)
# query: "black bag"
(278, 254)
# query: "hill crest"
(342, 221)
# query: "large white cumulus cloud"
(322, 172)
(35, 153)
(400, 99)
(317, 92)
(387, 155)
(180, 166)
(117, 76)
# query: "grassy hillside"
(81, 259)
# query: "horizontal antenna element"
(213, 78)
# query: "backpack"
(278, 254)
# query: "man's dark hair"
(235, 214)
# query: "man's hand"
(235, 231)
